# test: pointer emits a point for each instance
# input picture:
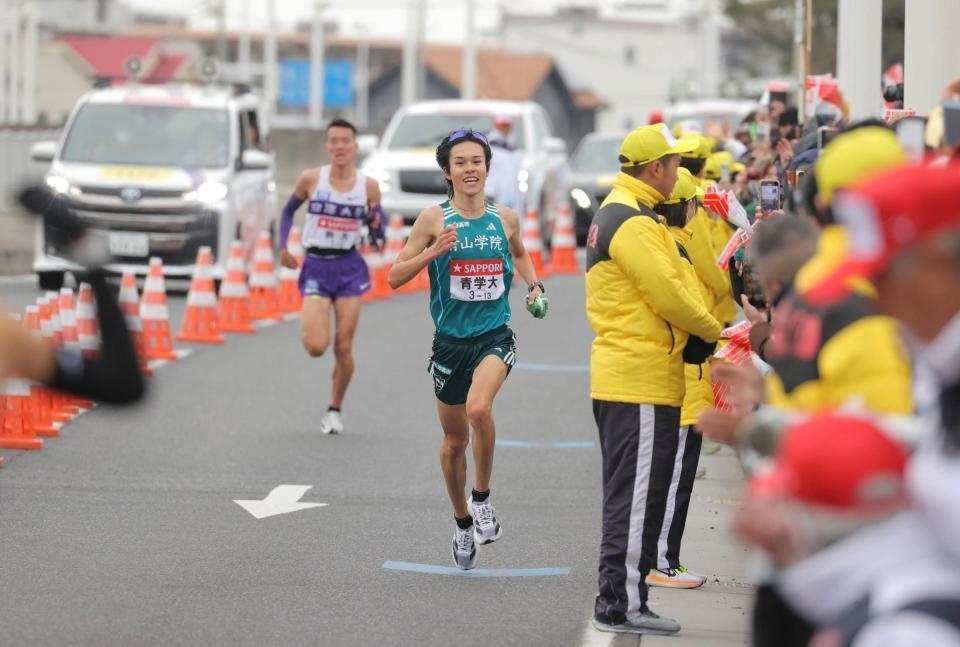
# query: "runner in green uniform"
(471, 248)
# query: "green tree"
(770, 23)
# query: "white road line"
(594, 638)
(181, 353)
(291, 316)
(265, 323)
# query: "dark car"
(593, 168)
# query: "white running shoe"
(332, 422)
(464, 550)
(644, 623)
(486, 528)
(701, 472)
(676, 578)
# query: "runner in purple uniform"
(340, 201)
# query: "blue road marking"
(554, 368)
(563, 444)
(481, 572)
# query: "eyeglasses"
(460, 134)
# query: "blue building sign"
(294, 90)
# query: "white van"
(160, 171)
(405, 165)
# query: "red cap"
(502, 120)
(656, 117)
(886, 214)
(836, 461)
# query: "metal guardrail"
(16, 167)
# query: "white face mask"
(942, 355)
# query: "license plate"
(129, 244)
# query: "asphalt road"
(124, 531)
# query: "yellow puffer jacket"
(637, 302)
(704, 253)
(699, 389)
(825, 356)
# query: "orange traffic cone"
(396, 237)
(41, 398)
(16, 422)
(563, 249)
(234, 295)
(157, 341)
(263, 281)
(201, 321)
(533, 241)
(88, 329)
(60, 410)
(71, 337)
(379, 264)
(290, 299)
(56, 326)
(130, 307)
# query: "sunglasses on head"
(460, 134)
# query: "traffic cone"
(263, 281)
(533, 241)
(88, 328)
(56, 324)
(290, 299)
(383, 260)
(201, 320)
(396, 238)
(60, 409)
(41, 398)
(17, 430)
(130, 307)
(234, 295)
(563, 249)
(71, 337)
(157, 341)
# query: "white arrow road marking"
(281, 500)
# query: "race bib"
(476, 280)
(335, 233)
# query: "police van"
(160, 170)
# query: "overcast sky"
(379, 18)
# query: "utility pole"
(468, 87)
(221, 9)
(4, 21)
(931, 57)
(243, 44)
(859, 32)
(28, 112)
(13, 112)
(710, 46)
(270, 60)
(362, 79)
(801, 39)
(316, 66)
(412, 71)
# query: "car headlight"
(58, 184)
(208, 193)
(581, 198)
(380, 174)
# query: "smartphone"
(824, 135)
(763, 129)
(951, 123)
(724, 171)
(910, 132)
(769, 195)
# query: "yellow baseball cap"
(713, 169)
(855, 156)
(687, 127)
(686, 188)
(702, 151)
(649, 143)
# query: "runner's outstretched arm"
(427, 241)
